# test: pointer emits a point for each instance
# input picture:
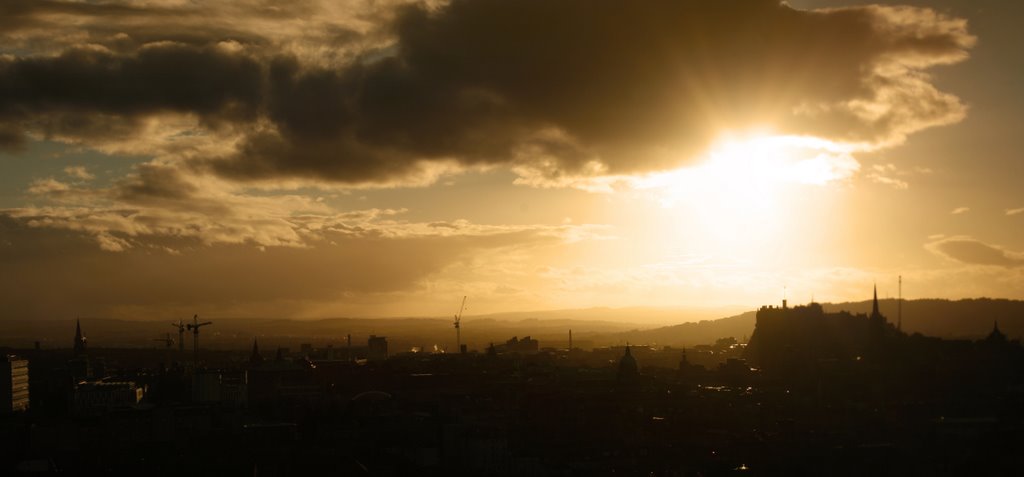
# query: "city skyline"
(386, 159)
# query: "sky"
(386, 158)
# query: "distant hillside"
(642, 317)
(238, 333)
(550, 326)
(969, 318)
(688, 334)
(959, 319)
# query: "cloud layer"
(226, 122)
(397, 92)
(123, 261)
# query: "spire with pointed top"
(628, 369)
(874, 304)
(876, 320)
(996, 336)
(255, 357)
(79, 339)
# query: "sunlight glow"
(759, 158)
(744, 191)
(740, 167)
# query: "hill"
(955, 319)
(951, 319)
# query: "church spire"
(874, 305)
(255, 357)
(876, 320)
(79, 339)
(628, 369)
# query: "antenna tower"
(458, 326)
(899, 307)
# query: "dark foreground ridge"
(814, 392)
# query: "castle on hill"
(790, 338)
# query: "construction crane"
(167, 340)
(458, 327)
(180, 325)
(194, 326)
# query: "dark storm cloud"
(628, 85)
(123, 24)
(22, 14)
(975, 252)
(634, 85)
(83, 90)
(11, 140)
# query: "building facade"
(14, 384)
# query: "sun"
(746, 186)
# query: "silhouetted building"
(80, 368)
(688, 370)
(516, 345)
(92, 397)
(734, 370)
(229, 387)
(234, 387)
(13, 384)
(206, 386)
(377, 348)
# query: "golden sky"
(320, 158)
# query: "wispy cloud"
(960, 210)
(79, 172)
(968, 250)
(886, 174)
(1016, 211)
(157, 202)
